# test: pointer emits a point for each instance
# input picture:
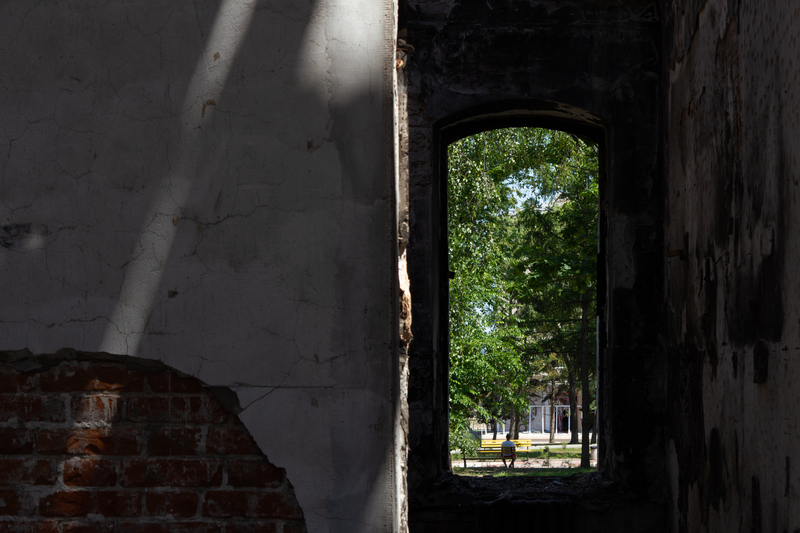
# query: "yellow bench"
(492, 446)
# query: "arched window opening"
(522, 217)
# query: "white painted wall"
(211, 184)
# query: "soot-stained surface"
(731, 163)
(580, 66)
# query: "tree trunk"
(494, 429)
(515, 418)
(573, 410)
(585, 453)
(553, 413)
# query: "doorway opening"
(523, 255)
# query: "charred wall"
(731, 142)
(590, 67)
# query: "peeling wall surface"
(212, 185)
(732, 137)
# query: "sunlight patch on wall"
(149, 257)
(336, 34)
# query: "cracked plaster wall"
(211, 184)
(732, 128)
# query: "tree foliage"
(522, 243)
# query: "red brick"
(26, 472)
(14, 381)
(251, 527)
(79, 472)
(169, 527)
(174, 441)
(93, 526)
(159, 382)
(32, 408)
(171, 473)
(12, 505)
(105, 441)
(98, 408)
(171, 382)
(10, 470)
(38, 526)
(91, 377)
(230, 441)
(196, 410)
(253, 473)
(276, 505)
(152, 409)
(184, 385)
(82, 503)
(15, 441)
(226, 503)
(180, 504)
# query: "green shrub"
(462, 440)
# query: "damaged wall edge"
(26, 362)
(106, 442)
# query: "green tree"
(463, 441)
(557, 266)
(522, 217)
(487, 370)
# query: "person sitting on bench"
(507, 451)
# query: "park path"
(521, 463)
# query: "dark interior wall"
(564, 64)
(731, 137)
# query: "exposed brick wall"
(99, 447)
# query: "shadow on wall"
(285, 201)
(158, 153)
(205, 183)
(227, 232)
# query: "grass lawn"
(555, 453)
(500, 471)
